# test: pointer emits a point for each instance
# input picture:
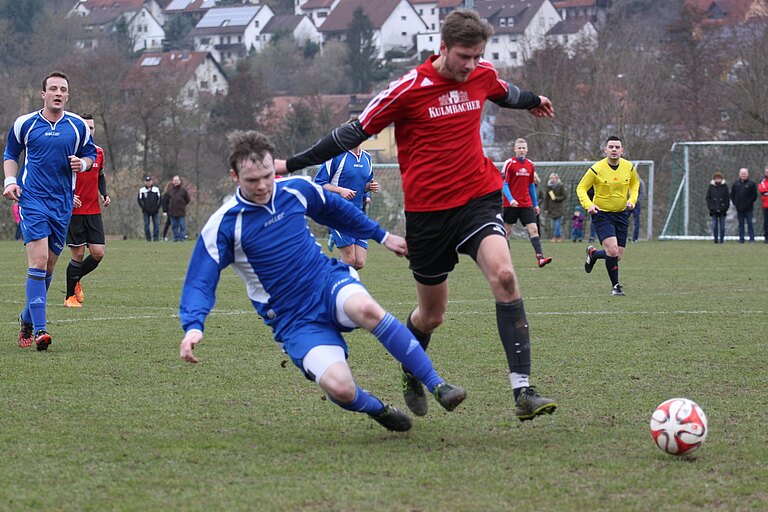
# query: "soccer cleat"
(541, 260)
(617, 290)
(414, 395)
(449, 396)
(72, 302)
(392, 418)
(79, 295)
(42, 339)
(530, 404)
(26, 333)
(590, 261)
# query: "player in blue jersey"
(57, 145)
(350, 175)
(306, 298)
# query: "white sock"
(518, 380)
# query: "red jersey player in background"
(452, 190)
(520, 201)
(86, 226)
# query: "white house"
(194, 73)
(573, 33)
(395, 23)
(299, 27)
(429, 12)
(316, 10)
(231, 33)
(101, 18)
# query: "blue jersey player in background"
(350, 175)
(57, 145)
(306, 298)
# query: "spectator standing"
(554, 205)
(718, 201)
(149, 202)
(577, 225)
(762, 189)
(743, 196)
(164, 204)
(178, 199)
(17, 220)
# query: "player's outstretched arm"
(396, 244)
(545, 108)
(192, 338)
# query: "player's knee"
(98, 255)
(506, 280)
(340, 390)
(432, 320)
(370, 313)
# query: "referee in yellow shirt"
(616, 186)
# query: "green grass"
(111, 419)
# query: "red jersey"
(87, 186)
(437, 130)
(519, 175)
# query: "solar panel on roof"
(237, 16)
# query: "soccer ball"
(679, 426)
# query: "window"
(495, 39)
(513, 55)
(430, 39)
(239, 39)
(256, 24)
(215, 78)
(433, 26)
(205, 40)
(421, 12)
(502, 22)
(510, 22)
(512, 38)
(404, 34)
(541, 22)
(203, 84)
(403, 18)
(495, 56)
(322, 14)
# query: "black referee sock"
(612, 265)
(74, 270)
(89, 265)
(513, 331)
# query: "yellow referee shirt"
(613, 187)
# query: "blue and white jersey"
(349, 171)
(272, 249)
(46, 179)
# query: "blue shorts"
(608, 224)
(342, 240)
(317, 324)
(37, 224)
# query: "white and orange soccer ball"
(679, 426)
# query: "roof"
(130, 5)
(177, 63)
(338, 105)
(102, 16)
(282, 23)
(567, 27)
(443, 4)
(572, 4)
(416, 2)
(189, 5)
(228, 16)
(729, 11)
(377, 11)
(317, 4)
(522, 12)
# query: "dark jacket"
(149, 199)
(178, 199)
(554, 200)
(718, 198)
(744, 195)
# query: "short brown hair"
(718, 174)
(57, 74)
(465, 27)
(248, 145)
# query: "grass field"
(111, 419)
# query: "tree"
(361, 51)
(178, 33)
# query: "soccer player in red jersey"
(452, 190)
(86, 226)
(520, 202)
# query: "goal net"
(387, 205)
(691, 170)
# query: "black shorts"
(526, 215)
(85, 229)
(608, 224)
(435, 239)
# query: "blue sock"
(36, 297)
(399, 342)
(363, 402)
(599, 255)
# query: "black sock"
(422, 337)
(73, 276)
(515, 338)
(612, 265)
(536, 243)
(89, 264)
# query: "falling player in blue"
(350, 175)
(57, 145)
(306, 298)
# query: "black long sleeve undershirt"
(518, 98)
(346, 136)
